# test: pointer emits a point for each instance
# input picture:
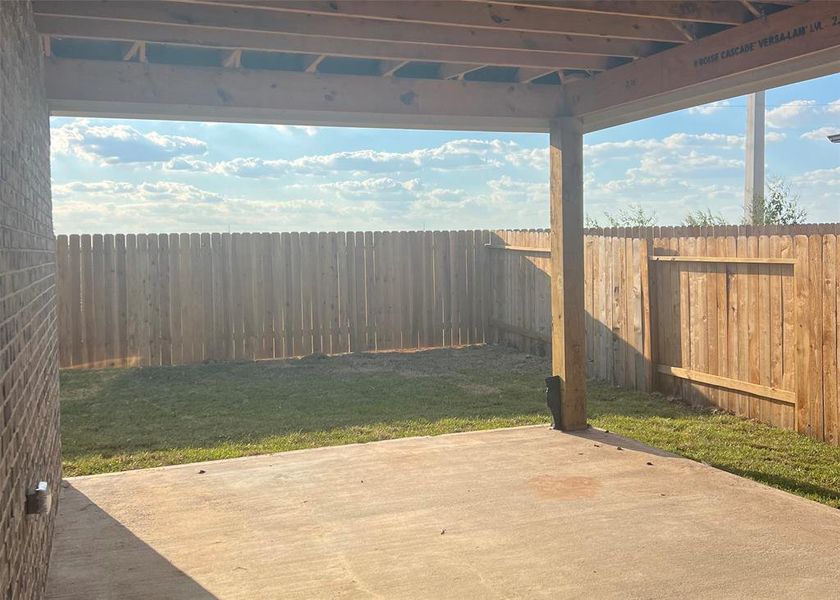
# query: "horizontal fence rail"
(183, 298)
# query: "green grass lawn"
(118, 419)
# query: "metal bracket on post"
(553, 394)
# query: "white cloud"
(827, 178)
(668, 175)
(121, 192)
(806, 114)
(709, 109)
(791, 114)
(817, 191)
(297, 129)
(820, 134)
(374, 188)
(535, 158)
(186, 163)
(112, 144)
(455, 155)
(674, 141)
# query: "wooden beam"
(233, 60)
(568, 337)
(270, 30)
(784, 396)
(723, 13)
(457, 71)
(387, 68)
(509, 327)
(525, 249)
(467, 14)
(685, 30)
(525, 75)
(157, 91)
(135, 46)
(749, 6)
(567, 77)
(724, 260)
(792, 45)
(312, 67)
(305, 44)
(137, 49)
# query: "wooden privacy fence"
(182, 298)
(744, 318)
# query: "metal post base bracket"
(553, 394)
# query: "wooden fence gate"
(725, 327)
(746, 318)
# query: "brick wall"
(29, 434)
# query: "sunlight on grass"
(119, 419)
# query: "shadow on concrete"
(95, 556)
(607, 438)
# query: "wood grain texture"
(183, 298)
(568, 341)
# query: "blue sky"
(166, 176)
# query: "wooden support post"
(568, 351)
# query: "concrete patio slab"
(527, 512)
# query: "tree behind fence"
(182, 298)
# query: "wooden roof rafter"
(233, 60)
(576, 36)
(270, 30)
(525, 75)
(719, 12)
(484, 15)
(136, 50)
(457, 71)
(471, 48)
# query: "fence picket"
(165, 300)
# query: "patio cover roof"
(459, 64)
